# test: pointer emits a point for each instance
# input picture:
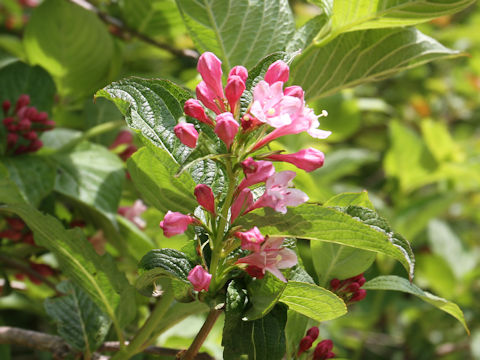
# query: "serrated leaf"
(73, 45)
(314, 27)
(396, 283)
(239, 32)
(361, 56)
(263, 294)
(358, 229)
(97, 275)
(313, 301)
(19, 78)
(9, 191)
(79, 320)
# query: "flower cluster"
(322, 351)
(349, 289)
(275, 111)
(17, 231)
(24, 125)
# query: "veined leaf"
(313, 301)
(358, 228)
(239, 32)
(263, 294)
(9, 191)
(396, 283)
(361, 56)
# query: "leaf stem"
(143, 335)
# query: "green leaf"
(359, 228)
(346, 199)
(239, 32)
(152, 171)
(9, 191)
(361, 56)
(137, 242)
(73, 45)
(313, 301)
(294, 331)
(97, 275)
(19, 78)
(438, 140)
(166, 263)
(34, 176)
(305, 35)
(396, 283)
(80, 321)
(263, 294)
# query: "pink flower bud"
(305, 344)
(307, 159)
(35, 145)
(251, 239)
(234, 90)
(295, 91)
(187, 134)
(175, 223)
(15, 223)
(323, 350)
(255, 172)
(239, 71)
(12, 139)
(134, 212)
(205, 197)
(31, 135)
(41, 117)
(124, 137)
(22, 101)
(243, 201)
(359, 295)
(194, 109)
(334, 284)
(226, 128)
(8, 121)
(353, 287)
(30, 113)
(210, 67)
(200, 278)
(207, 97)
(313, 332)
(22, 149)
(278, 71)
(24, 124)
(6, 106)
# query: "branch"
(120, 25)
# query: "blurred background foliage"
(411, 141)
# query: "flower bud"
(207, 97)
(243, 201)
(16, 224)
(8, 121)
(251, 239)
(24, 124)
(335, 284)
(30, 113)
(226, 128)
(210, 68)
(353, 287)
(255, 172)
(323, 350)
(175, 223)
(200, 278)
(35, 145)
(205, 197)
(194, 109)
(12, 139)
(6, 106)
(307, 159)
(278, 71)
(11, 234)
(234, 90)
(359, 295)
(239, 71)
(313, 332)
(124, 137)
(295, 91)
(187, 134)
(22, 101)
(41, 117)
(305, 344)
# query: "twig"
(117, 23)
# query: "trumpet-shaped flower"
(210, 67)
(306, 159)
(226, 128)
(175, 223)
(187, 134)
(255, 172)
(242, 202)
(205, 197)
(278, 71)
(200, 278)
(251, 239)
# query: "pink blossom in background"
(242, 202)
(133, 213)
(323, 350)
(187, 134)
(251, 239)
(175, 223)
(272, 257)
(306, 159)
(200, 278)
(255, 172)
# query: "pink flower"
(323, 350)
(255, 172)
(187, 134)
(207, 97)
(194, 109)
(313, 332)
(205, 197)
(251, 239)
(243, 201)
(226, 128)
(295, 91)
(307, 159)
(200, 278)
(175, 223)
(278, 194)
(305, 344)
(124, 138)
(133, 213)
(239, 71)
(210, 67)
(271, 257)
(307, 121)
(271, 106)
(233, 91)
(278, 71)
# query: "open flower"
(251, 239)
(272, 257)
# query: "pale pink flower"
(226, 128)
(233, 91)
(133, 213)
(242, 202)
(175, 223)
(251, 239)
(205, 197)
(255, 172)
(278, 71)
(306, 159)
(239, 71)
(279, 194)
(271, 257)
(295, 91)
(200, 278)
(187, 134)
(210, 68)
(208, 97)
(194, 109)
